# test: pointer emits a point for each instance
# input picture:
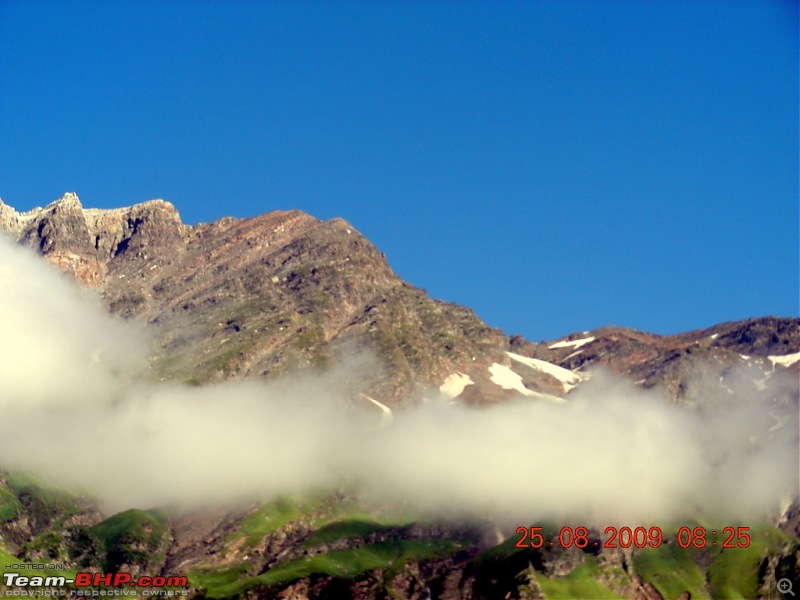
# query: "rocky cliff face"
(85, 242)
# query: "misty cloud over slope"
(77, 407)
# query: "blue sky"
(556, 166)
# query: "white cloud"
(77, 407)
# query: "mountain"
(285, 292)
(260, 296)
(257, 296)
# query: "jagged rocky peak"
(69, 200)
(14, 221)
(70, 203)
(8, 216)
(113, 231)
(82, 241)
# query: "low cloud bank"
(76, 407)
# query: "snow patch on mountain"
(785, 361)
(508, 380)
(571, 343)
(455, 384)
(568, 379)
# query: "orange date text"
(634, 537)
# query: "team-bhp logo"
(94, 584)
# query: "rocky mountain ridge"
(285, 291)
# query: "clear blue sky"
(556, 166)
